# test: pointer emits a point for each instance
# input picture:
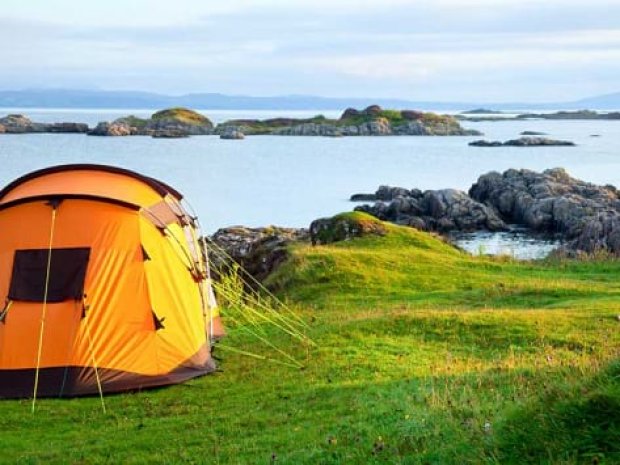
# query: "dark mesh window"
(66, 280)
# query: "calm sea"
(290, 181)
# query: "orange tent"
(105, 282)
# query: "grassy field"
(425, 355)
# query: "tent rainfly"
(106, 285)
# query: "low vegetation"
(350, 117)
(134, 121)
(182, 115)
(425, 355)
(266, 126)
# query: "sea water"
(290, 181)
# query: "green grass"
(425, 355)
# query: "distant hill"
(72, 98)
(608, 101)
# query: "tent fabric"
(125, 295)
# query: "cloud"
(398, 48)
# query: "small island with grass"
(371, 121)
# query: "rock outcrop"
(232, 134)
(486, 143)
(20, 124)
(115, 128)
(258, 250)
(169, 134)
(67, 128)
(523, 142)
(585, 215)
(433, 210)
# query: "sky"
(441, 50)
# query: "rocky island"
(559, 115)
(579, 114)
(523, 142)
(169, 123)
(372, 121)
(481, 111)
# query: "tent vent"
(66, 274)
(158, 323)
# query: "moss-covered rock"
(181, 121)
(258, 250)
(182, 115)
(344, 227)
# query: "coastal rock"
(522, 142)
(586, 217)
(412, 128)
(486, 143)
(72, 128)
(232, 134)
(600, 233)
(433, 210)
(533, 133)
(312, 129)
(258, 250)
(537, 141)
(583, 214)
(373, 110)
(20, 124)
(116, 128)
(363, 198)
(2, 129)
(169, 134)
(350, 113)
